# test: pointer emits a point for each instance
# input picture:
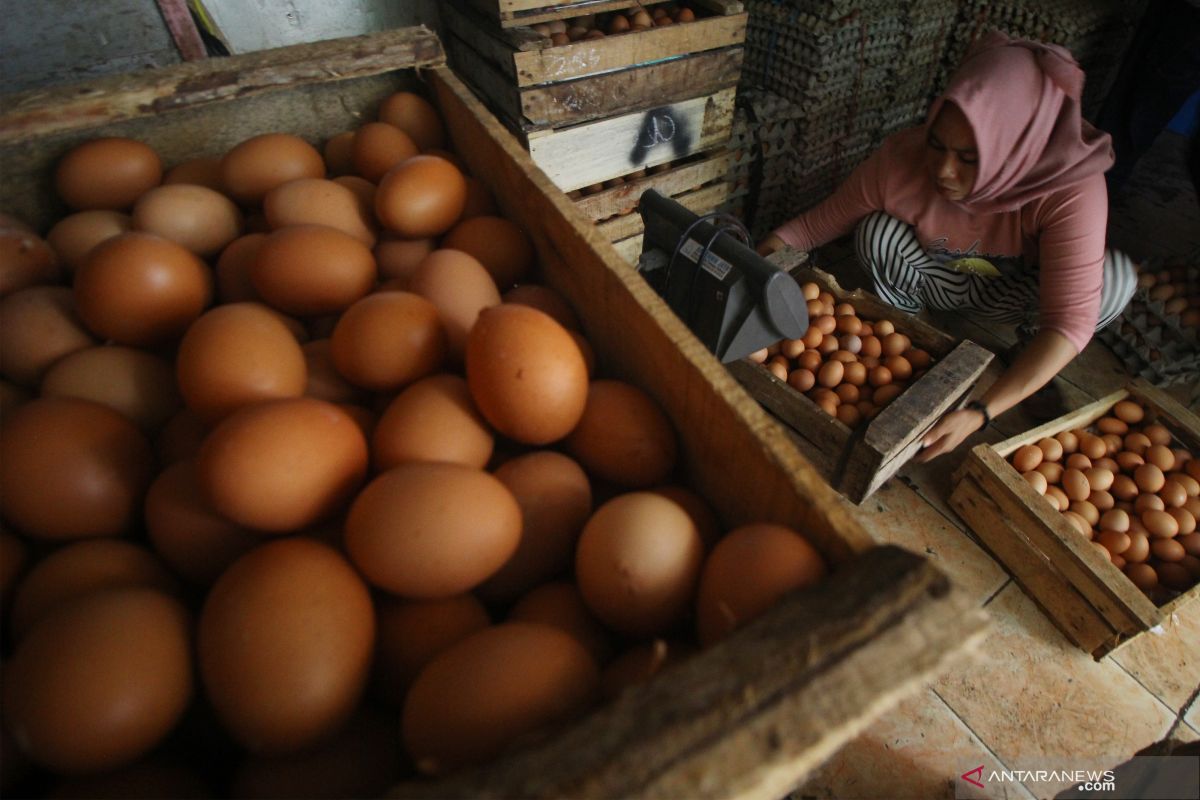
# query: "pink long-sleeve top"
(1062, 232)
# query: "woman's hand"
(948, 433)
(770, 245)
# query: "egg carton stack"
(1097, 32)
(918, 66)
(1158, 334)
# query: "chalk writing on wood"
(660, 126)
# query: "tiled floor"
(1030, 699)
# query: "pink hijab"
(1022, 99)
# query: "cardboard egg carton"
(1155, 343)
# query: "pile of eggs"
(303, 474)
(1127, 486)
(1176, 288)
(849, 366)
(597, 26)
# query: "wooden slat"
(1038, 575)
(675, 181)
(699, 201)
(829, 435)
(722, 740)
(630, 249)
(591, 56)
(594, 152)
(46, 112)
(1079, 418)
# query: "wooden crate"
(597, 109)
(512, 13)
(747, 718)
(1081, 591)
(858, 461)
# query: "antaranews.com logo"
(1087, 780)
(1140, 778)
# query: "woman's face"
(950, 153)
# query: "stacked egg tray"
(1158, 334)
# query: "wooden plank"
(675, 181)
(722, 739)
(1114, 596)
(700, 201)
(45, 112)
(1079, 418)
(596, 151)
(591, 56)
(630, 249)
(183, 29)
(1031, 568)
(492, 47)
(501, 93)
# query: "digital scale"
(732, 298)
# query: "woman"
(997, 205)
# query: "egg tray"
(1081, 591)
(1153, 342)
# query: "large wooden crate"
(1090, 600)
(858, 461)
(747, 718)
(597, 109)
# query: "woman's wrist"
(981, 407)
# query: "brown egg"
(1149, 477)
(1052, 470)
(1185, 518)
(377, 147)
(1167, 549)
(1160, 524)
(560, 605)
(1139, 548)
(1112, 425)
(200, 219)
(260, 163)
(317, 201)
(1099, 479)
(1106, 463)
(386, 531)
(413, 632)
(848, 393)
(284, 645)
(187, 532)
(141, 289)
(1137, 443)
(1190, 542)
(1115, 542)
(40, 327)
(1057, 498)
(1102, 500)
(1157, 434)
(623, 436)
(848, 324)
(463, 709)
(1191, 486)
(74, 236)
(1075, 484)
(1092, 446)
(1027, 457)
(1160, 456)
(1172, 494)
(1082, 525)
(433, 419)
(880, 376)
(1068, 440)
(422, 196)
(1115, 520)
(132, 382)
(233, 269)
(778, 369)
(460, 287)
(281, 465)
(1148, 502)
(338, 153)
(503, 248)
(1078, 461)
(886, 393)
(1124, 487)
(637, 563)
(26, 260)
(1128, 461)
(854, 374)
(202, 171)
(1142, 575)
(893, 344)
(416, 116)
(388, 340)
(900, 368)
(398, 258)
(310, 270)
(107, 173)
(871, 347)
(810, 360)
(526, 374)
(1052, 449)
(1128, 411)
(1087, 510)
(1037, 480)
(235, 355)
(1112, 444)
(831, 374)
(72, 468)
(553, 303)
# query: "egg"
(432, 419)
(284, 645)
(623, 436)
(40, 327)
(1078, 461)
(1082, 525)
(422, 196)
(74, 236)
(397, 258)
(496, 686)
(413, 632)
(1149, 477)
(1160, 524)
(1027, 457)
(100, 681)
(460, 287)
(416, 116)
(552, 302)
(1052, 470)
(107, 173)
(1052, 449)
(1160, 456)
(1115, 542)
(141, 289)
(257, 165)
(1148, 502)
(1099, 479)
(776, 559)
(1075, 484)
(1185, 519)
(385, 531)
(1167, 549)
(201, 171)
(1157, 434)
(559, 605)
(310, 270)
(637, 563)
(338, 152)
(503, 248)
(236, 355)
(377, 147)
(26, 260)
(1172, 493)
(1092, 446)
(386, 341)
(1124, 487)
(72, 468)
(232, 271)
(1102, 499)
(281, 465)
(186, 532)
(200, 219)
(135, 383)
(1112, 425)
(1128, 461)
(317, 201)
(1115, 520)
(1139, 548)
(1068, 440)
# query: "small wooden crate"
(748, 718)
(596, 109)
(1090, 600)
(511, 13)
(857, 462)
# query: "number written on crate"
(660, 126)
